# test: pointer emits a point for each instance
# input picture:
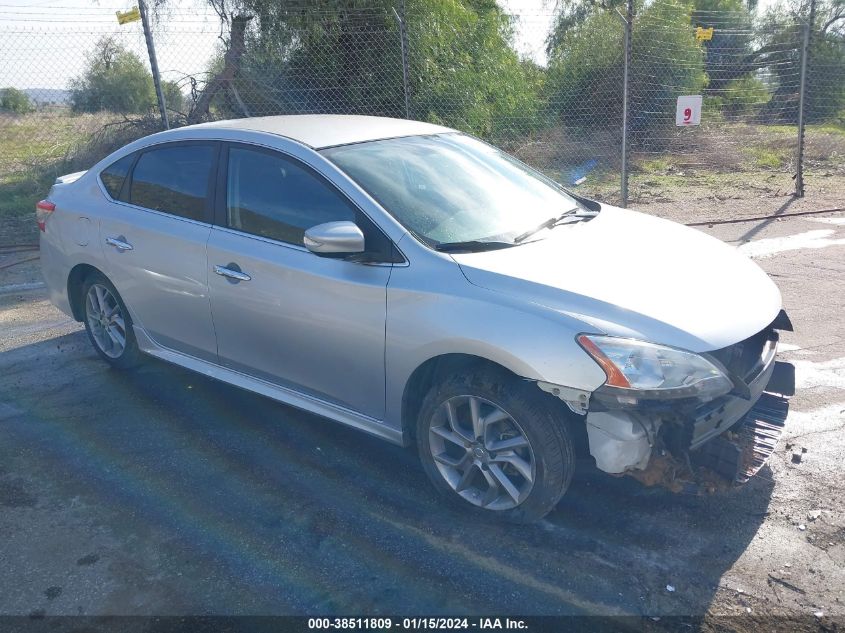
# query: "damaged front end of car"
(684, 420)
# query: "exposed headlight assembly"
(638, 369)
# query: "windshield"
(451, 188)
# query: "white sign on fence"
(688, 111)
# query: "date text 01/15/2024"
(386, 623)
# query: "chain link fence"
(824, 143)
(549, 87)
(746, 144)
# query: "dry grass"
(36, 148)
(719, 161)
(30, 140)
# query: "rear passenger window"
(174, 180)
(272, 196)
(114, 175)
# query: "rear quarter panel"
(71, 237)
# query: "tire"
(107, 323)
(522, 440)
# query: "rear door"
(154, 238)
(302, 321)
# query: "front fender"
(458, 318)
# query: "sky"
(43, 43)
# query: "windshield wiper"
(471, 246)
(551, 223)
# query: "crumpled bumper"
(731, 437)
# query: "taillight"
(42, 211)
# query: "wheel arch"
(427, 374)
(434, 369)
(75, 279)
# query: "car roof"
(327, 130)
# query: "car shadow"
(250, 506)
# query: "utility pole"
(145, 20)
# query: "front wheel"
(489, 442)
(108, 323)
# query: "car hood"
(630, 274)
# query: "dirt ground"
(163, 492)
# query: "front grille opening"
(744, 359)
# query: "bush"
(173, 97)
(740, 97)
(16, 101)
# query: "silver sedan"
(422, 286)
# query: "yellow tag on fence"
(130, 16)
(704, 35)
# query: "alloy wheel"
(106, 321)
(482, 452)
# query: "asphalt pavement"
(160, 491)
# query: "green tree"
(731, 41)
(465, 72)
(586, 61)
(14, 100)
(826, 81)
(335, 57)
(584, 83)
(345, 56)
(781, 39)
(115, 79)
(573, 13)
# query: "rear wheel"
(108, 323)
(489, 442)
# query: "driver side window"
(272, 196)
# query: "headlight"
(646, 370)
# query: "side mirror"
(334, 238)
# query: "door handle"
(231, 274)
(119, 243)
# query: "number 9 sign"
(688, 111)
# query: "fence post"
(799, 159)
(802, 96)
(148, 36)
(403, 43)
(627, 23)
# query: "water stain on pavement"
(87, 560)
(52, 592)
(14, 495)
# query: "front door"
(283, 314)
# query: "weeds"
(765, 158)
(36, 148)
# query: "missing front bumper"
(739, 454)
